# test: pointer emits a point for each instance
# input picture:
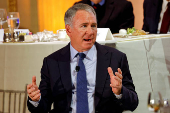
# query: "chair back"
(13, 101)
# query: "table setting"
(11, 33)
(10, 22)
(133, 34)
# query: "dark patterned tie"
(166, 20)
(82, 99)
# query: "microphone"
(77, 68)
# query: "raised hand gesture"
(33, 91)
(115, 81)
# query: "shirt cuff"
(35, 104)
(118, 96)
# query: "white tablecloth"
(149, 62)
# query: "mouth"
(87, 40)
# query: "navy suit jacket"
(56, 84)
(118, 15)
(152, 10)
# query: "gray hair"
(70, 13)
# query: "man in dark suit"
(110, 88)
(152, 15)
(113, 14)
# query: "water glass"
(13, 20)
(3, 17)
(155, 101)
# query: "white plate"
(119, 36)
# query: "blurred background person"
(156, 16)
(113, 14)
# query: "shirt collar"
(89, 54)
(165, 4)
(101, 3)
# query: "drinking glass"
(3, 17)
(13, 20)
(154, 101)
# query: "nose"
(90, 30)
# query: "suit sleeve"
(46, 100)
(127, 14)
(129, 99)
(145, 24)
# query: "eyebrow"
(88, 23)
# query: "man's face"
(83, 31)
(96, 1)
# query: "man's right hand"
(33, 91)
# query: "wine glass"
(13, 20)
(154, 101)
(3, 17)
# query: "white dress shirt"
(90, 66)
(164, 7)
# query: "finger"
(31, 90)
(119, 70)
(116, 81)
(34, 80)
(36, 97)
(110, 71)
(119, 80)
(35, 93)
(114, 86)
(118, 75)
(29, 86)
(35, 87)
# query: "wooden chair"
(13, 101)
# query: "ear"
(68, 29)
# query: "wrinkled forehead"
(82, 14)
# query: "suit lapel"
(158, 8)
(110, 7)
(103, 61)
(64, 65)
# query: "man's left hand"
(115, 80)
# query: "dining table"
(148, 58)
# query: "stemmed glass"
(154, 101)
(13, 20)
(3, 17)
